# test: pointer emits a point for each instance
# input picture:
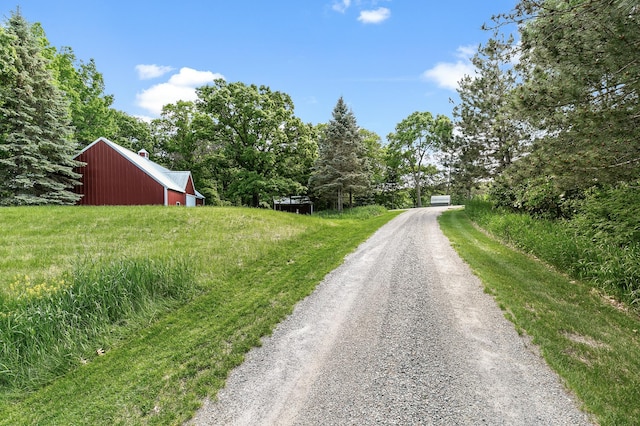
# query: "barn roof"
(176, 181)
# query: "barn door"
(191, 200)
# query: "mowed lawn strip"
(592, 343)
(254, 266)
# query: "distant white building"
(441, 200)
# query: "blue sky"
(386, 58)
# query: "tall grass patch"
(47, 327)
(614, 268)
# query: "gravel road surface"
(401, 333)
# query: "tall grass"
(47, 327)
(613, 268)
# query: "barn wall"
(110, 179)
(176, 197)
(190, 189)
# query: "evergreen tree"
(36, 155)
(578, 87)
(490, 138)
(341, 167)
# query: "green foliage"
(416, 140)
(569, 102)
(182, 137)
(90, 109)
(537, 196)
(48, 327)
(266, 150)
(580, 88)
(36, 152)
(578, 248)
(342, 165)
(491, 136)
(610, 215)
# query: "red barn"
(114, 175)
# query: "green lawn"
(592, 342)
(250, 267)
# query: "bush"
(610, 215)
(48, 327)
(538, 196)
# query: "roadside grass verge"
(249, 266)
(613, 268)
(593, 344)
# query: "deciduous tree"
(415, 140)
(90, 108)
(268, 149)
(184, 141)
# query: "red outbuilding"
(114, 175)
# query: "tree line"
(552, 115)
(242, 142)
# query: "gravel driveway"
(401, 333)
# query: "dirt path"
(401, 333)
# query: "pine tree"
(341, 167)
(36, 154)
(580, 88)
(491, 138)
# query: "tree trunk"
(340, 200)
(418, 191)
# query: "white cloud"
(341, 6)
(466, 52)
(374, 16)
(181, 86)
(448, 74)
(146, 72)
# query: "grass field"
(244, 268)
(592, 342)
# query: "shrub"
(610, 215)
(538, 196)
